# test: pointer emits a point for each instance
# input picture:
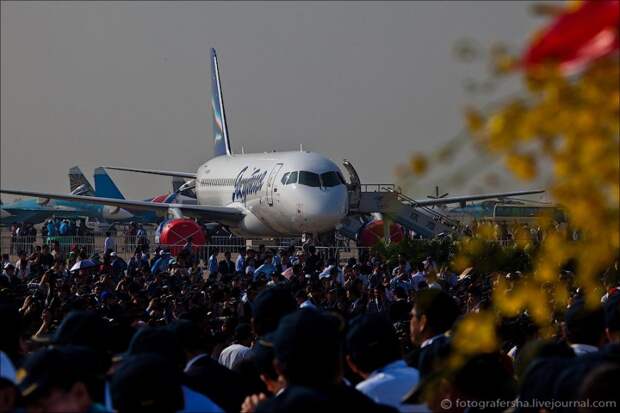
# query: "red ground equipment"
(373, 233)
(176, 232)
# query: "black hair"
(440, 309)
(485, 377)
(399, 292)
(270, 306)
(372, 342)
(584, 326)
(601, 384)
(308, 347)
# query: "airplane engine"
(114, 213)
(372, 233)
(176, 232)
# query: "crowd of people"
(282, 331)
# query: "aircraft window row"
(326, 180)
(330, 179)
(219, 182)
(289, 178)
(309, 179)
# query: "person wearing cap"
(373, 353)
(60, 379)
(308, 356)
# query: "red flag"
(577, 37)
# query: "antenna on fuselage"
(242, 150)
(301, 147)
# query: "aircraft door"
(271, 183)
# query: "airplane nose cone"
(323, 212)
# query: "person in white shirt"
(22, 266)
(373, 353)
(109, 244)
(240, 350)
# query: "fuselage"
(280, 193)
(38, 210)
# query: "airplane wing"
(154, 172)
(467, 198)
(223, 215)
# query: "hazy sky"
(94, 83)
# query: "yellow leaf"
(418, 164)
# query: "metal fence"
(126, 245)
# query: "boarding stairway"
(367, 199)
(397, 207)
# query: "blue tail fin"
(104, 186)
(220, 129)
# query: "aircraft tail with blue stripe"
(220, 128)
(104, 186)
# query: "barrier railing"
(126, 246)
(377, 187)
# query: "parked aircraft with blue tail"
(37, 210)
(271, 194)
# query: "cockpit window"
(292, 178)
(284, 178)
(330, 179)
(309, 179)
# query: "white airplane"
(272, 194)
